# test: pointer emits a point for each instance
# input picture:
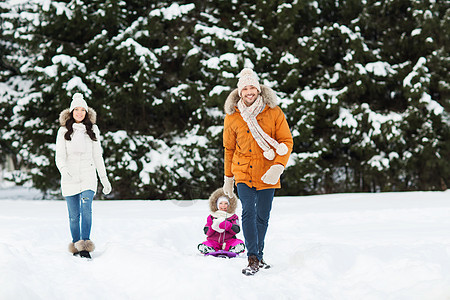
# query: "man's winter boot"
(253, 266)
(263, 264)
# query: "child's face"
(223, 205)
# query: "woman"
(78, 158)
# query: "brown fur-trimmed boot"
(253, 266)
(89, 245)
(73, 249)
(82, 248)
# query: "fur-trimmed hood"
(267, 94)
(216, 195)
(65, 115)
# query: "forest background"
(364, 86)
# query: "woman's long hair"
(86, 121)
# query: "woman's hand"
(106, 185)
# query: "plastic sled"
(222, 253)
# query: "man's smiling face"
(249, 94)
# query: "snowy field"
(343, 246)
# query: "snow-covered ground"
(343, 246)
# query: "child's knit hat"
(221, 199)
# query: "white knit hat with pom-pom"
(248, 77)
(78, 101)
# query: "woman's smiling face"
(79, 113)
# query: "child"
(222, 225)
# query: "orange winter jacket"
(244, 159)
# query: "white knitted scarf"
(264, 141)
(220, 214)
(78, 137)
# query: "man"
(257, 143)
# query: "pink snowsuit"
(226, 239)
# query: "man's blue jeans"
(80, 205)
(256, 206)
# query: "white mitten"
(282, 149)
(273, 174)
(106, 185)
(228, 185)
(215, 225)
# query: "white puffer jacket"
(82, 167)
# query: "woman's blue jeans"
(256, 206)
(80, 208)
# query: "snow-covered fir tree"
(364, 85)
